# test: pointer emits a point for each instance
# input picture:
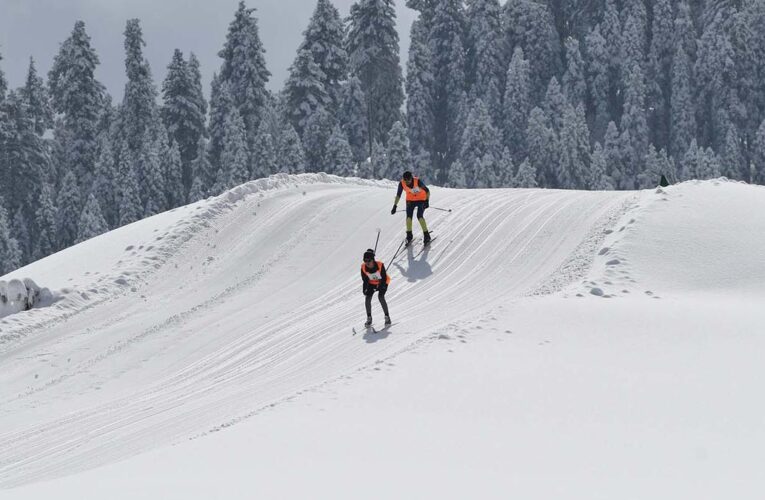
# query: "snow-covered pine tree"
(399, 157)
(377, 165)
(290, 151)
(457, 176)
(574, 84)
(139, 110)
(506, 170)
(131, 208)
(3, 82)
(446, 45)
(305, 91)
(197, 192)
(599, 180)
(611, 28)
(339, 157)
(419, 92)
(45, 220)
(202, 170)
(682, 114)
(373, 56)
(635, 125)
(480, 148)
(35, 96)
(353, 117)
(234, 159)
(526, 176)
(264, 161)
(78, 97)
(106, 182)
(92, 222)
(517, 105)
(554, 105)
(758, 156)
(656, 165)
(183, 114)
(485, 55)
(175, 191)
(530, 25)
(324, 38)
(221, 104)
(597, 83)
(574, 170)
(315, 136)
(541, 147)
(69, 205)
(685, 31)
(20, 231)
(731, 160)
(613, 153)
(690, 165)
(709, 164)
(660, 72)
(153, 174)
(196, 83)
(10, 251)
(244, 69)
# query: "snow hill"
(551, 344)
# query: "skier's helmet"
(369, 255)
(407, 176)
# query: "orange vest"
(375, 277)
(414, 193)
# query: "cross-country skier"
(375, 279)
(417, 196)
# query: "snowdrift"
(208, 316)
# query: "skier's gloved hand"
(393, 210)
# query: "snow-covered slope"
(530, 308)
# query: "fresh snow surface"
(550, 344)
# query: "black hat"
(407, 175)
(369, 254)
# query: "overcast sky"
(37, 27)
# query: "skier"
(417, 196)
(375, 279)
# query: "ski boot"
(369, 322)
(388, 322)
(426, 237)
(409, 237)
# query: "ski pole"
(378, 238)
(441, 209)
(396, 254)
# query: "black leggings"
(411, 205)
(380, 295)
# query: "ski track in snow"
(253, 304)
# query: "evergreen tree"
(105, 183)
(554, 105)
(20, 231)
(398, 155)
(612, 32)
(264, 159)
(92, 222)
(598, 178)
(197, 192)
(202, 171)
(221, 104)
(373, 54)
(660, 72)
(614, 158)
(709, 164)
(78, 97)
(196, 83)
(69, 207)
(35, 96)
(597, 83)
(574, 85)
(758, 156)
(10, 251)
(183, 113)
(45, 221)
(234, 170)
(634, 127)
(457, 176)
(324, 38)
(506, 170)
(353, 118)
(485, 58)
(530, 25)
(153, 192)
(541, 148)
(656, 165)
(339, 159)
(573, 171)
(419, 90)
(291, 155)
(732, 161)
(175, 191)
(517, 105)
(526, 176)
(305, 90)
(315, 137)
(480, 148)
(139, 107)
(3, 83)
(244, 69)
(683, 122)
(130, 201)
(685, 31)
(690, 165)
(378, 165)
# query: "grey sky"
(37, 27)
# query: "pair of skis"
(372, 329)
